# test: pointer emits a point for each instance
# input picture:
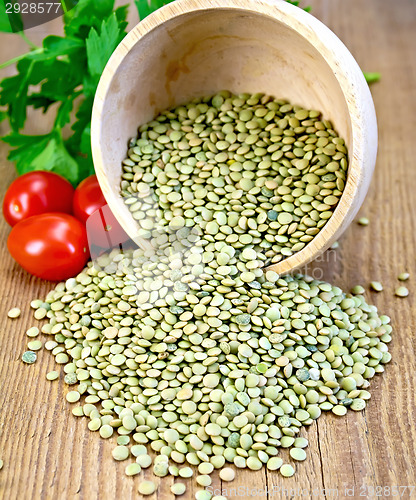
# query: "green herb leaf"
(296, 4)
(85, 15)
(10, 22)
(63, 115)
(38, 101)
(372, 77)
(146, 7)
(56, 46)
(14, 93)
(79, 144)
(65, 70)
(42, 152)
(101, 46)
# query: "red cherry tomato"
(88, 198)
(37, 193)
(52, 246)
(90, 207)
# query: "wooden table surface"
(50, 454)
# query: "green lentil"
(70, 378)
(376, 286)
(29, 357)
(61, 358)
(14, 313)
(274, 463)
(286, 470)
(358, 404)
(205, 468)
(73, 396)
(32, 332)
(204, 480)
(138, 449)
(186, 472)
(144, 461)
(363, 221)
(298, 454)
(178, 489)
(402, 291)
(106, 431)
(121, 453)
(403, 276)
(78, 411)
(339, 410)
(53, 375)
(227, 474)
(301, 442)
(147, 488)
(203, 495)
(133, 469)
(254, 463)
(35, 345)
(160, 469)
(124, 440)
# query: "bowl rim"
(360, 106)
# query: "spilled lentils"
(240, 169)
(209, 367)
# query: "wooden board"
(49, 454)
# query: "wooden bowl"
(193, 48)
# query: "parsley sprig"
(64, 72)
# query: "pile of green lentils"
(190, 348)
(246, 170)
(207, 369)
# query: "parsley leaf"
(64, 70)
(79, 144)
(42, 152)
(101, 46)
(372, 77)
(10, 22)
(146, 7)
(296, 4)
(85, 15)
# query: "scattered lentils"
(402, 291)
(363, 221)
(14, 313)
(52, 375)
(245, 369)
(73, 396)
(29, 357)
(178, 489)
(403, 276)
(227, 474)
(376, 286)
(33, 332)
(35, 345)
(147, 488)
(188, 347)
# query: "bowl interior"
(197, 53)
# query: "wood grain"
(50, 455)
